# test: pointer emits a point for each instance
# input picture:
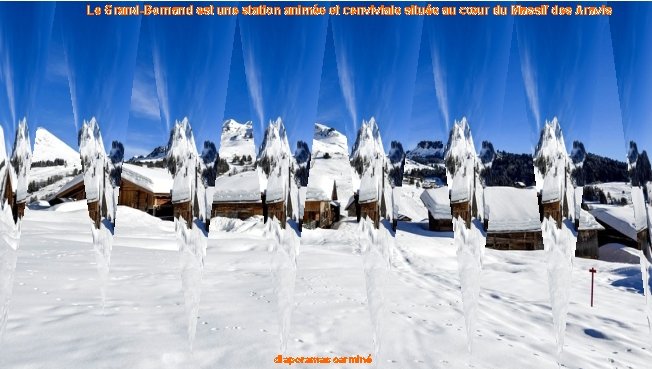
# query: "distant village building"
(437, 203)
(237, 196)
(512, 219)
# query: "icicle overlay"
(193, 175)
(642, 221)
(375, 246)
(102, 177)
(559, 244)
(9, 240)
(552, 169)
(277, 168)
(462, 173)
(192, 251)
(16, 171)
(284, 245)
(470, 243)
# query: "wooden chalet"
(237, 196)
(321, 209)
(146, 189)
(437, 203)
(512, 219)
(142, 188)
(619, 225)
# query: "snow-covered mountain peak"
(237, 141)
(368, 145)
(328, 140)
(551, 141)
(427, 152)
(460, 141)
(47, 146)
(21, 159)
(233, 130)
(461, 162)
(182, 161)
(275, 143)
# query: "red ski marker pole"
(592, 270)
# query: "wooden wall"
(236, 210)
(319, 214)
(439, 225)
(516, 240)
(587, 244)
(552, 209)
(371, 210)
(139, 198)
(463, 210)
(277, 210)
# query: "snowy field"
(56, 321)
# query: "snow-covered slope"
(54, 163)
(55, 306)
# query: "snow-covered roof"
(511, 209)
(437, 202)
(241, 187)
(79, 178)
(320, 188)
(156, 180)
(588, 222)
(620, 218)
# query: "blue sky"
(22, 68)
(631, 31)
(414, 75)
